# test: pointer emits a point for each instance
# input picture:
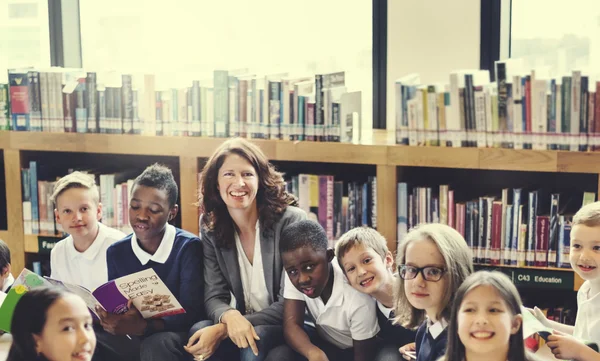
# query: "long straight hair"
(458, 261)
(29, 318)
(455, 350)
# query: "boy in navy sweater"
(174, 254)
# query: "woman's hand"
(128, 323)
(240, 330)
(206, 341)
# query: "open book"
(533, 330)
(147, 291)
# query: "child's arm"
(363, 349)
(293, 331)
(549, 323)
(567, 347)
(363, 326)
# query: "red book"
(542, 224)
(496, 233)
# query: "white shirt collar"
(435, 329)
(92, 251)
(337, 291)
(162, 253)
(8, 282)
(386, 311)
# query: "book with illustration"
(536, 335)
(148, 293)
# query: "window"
(186, 40)
(24, 35)
(556, 37)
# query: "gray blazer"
(222, 273)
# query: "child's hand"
(565, 347)
(539, 315)
(129, 323)
(408, 350)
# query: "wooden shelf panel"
(4, 235)
(330, 152)
(378, 152)
(525, 267)
(433, 157)
(31, 243)
(513, 159)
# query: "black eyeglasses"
(429, 273)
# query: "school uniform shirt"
(8, 283)
(348, 315)
(178, 263)
(431, 340)
(252, 276)
(587, 323)
(390, 333)
(88, 268)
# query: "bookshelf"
(378, 154)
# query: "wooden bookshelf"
(377, 149)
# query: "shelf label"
(534, 278)
(45, 244)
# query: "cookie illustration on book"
(157, 302)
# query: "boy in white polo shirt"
(81, 257)
(585, 261)
(345, 319)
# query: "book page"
(149, 294)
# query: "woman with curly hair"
(245, 208)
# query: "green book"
(26, 281)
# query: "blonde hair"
(360, 236)
(76, 180)
(458, 261)
(588, 215)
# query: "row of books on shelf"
(519, 228)
(323, 200)
(38, 209)
(525, 111)
(231, 103)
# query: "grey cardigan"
(222, 273)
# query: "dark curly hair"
(160, 177)
(271, 199)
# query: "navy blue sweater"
(393, 334)
(429, 349)
(182, 273)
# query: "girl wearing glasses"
(433, 260)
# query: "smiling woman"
(245, 208)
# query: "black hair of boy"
(4, 255)
(160, 177)
(305, 233)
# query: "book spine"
(19, 104)
(92, 102)
(553, 232)
(127, 103)
(541, 247)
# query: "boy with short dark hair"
(344, 318)
(174, 254)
